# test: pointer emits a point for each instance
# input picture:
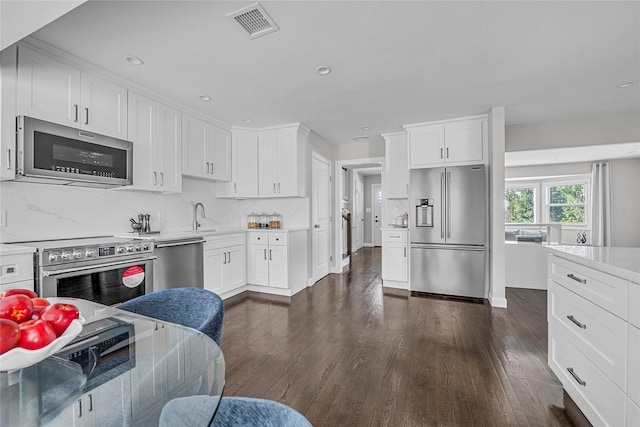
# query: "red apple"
(35, 334)
(60, 315)
(16, 307)
(9, 335)
(27, 292)
(39, 304)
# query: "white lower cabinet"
(395, 258)
(225, 263)
(16, 270)
(593, 349)
(277, 260)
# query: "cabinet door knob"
(318, 225)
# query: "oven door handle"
(51, 273)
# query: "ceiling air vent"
(254, 20)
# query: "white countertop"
(278, 230)
(176, 235)
(7, 249)
(391, 228)
(619, 261)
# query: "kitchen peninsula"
(593, 314)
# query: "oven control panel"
(95, 252)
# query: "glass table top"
(121, 370)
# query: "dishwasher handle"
(183, 243)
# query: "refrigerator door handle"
(447, 247)
(448, 181)
(442, 197)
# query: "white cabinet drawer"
(389, 236)
(604, 290)
(633, 367)
(596, 333)
(259, 237)
(278, 239)
(633, 414)
(224, 241)
(25, 284)
(633, 303)
(16, 268)
(597, 397)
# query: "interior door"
(376, 201)
(320, 216)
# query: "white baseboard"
(345, 262)
(368, 245)
(497, 302)
(394, 284)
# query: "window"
(519, 201)
(566, 203)
(548, 200)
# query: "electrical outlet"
(3, 218)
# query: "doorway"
(345, 201)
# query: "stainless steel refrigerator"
(448, 250)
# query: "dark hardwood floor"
(345, 352)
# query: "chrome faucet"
(196, 224)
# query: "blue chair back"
(193, 307)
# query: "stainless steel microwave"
(56, 154)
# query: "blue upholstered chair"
(193, 307)
(196, 411)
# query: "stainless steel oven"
(104, 270)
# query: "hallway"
(347, 352)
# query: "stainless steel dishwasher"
(178, 263)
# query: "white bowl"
(18, 358)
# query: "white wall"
(578, 131)
(18, 19)
(358, 150)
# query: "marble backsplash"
(43, 211)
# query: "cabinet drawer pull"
(211, 168)
(405, 252)
(269, 254)
(235, 187)
(8, 150)
(155, 178)
(447, 152)
(576, 377)
(79, 408)
(265, 254)
(225, 258)
(86, 116)
(577, 323)
(391, 236)
(229, 257)
(278, 188)
(274, 188)
(162, 179)
(441, 153)
(577, 279)
(75, 108)
(90, 402)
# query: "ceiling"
(393, 62)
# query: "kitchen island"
(593, 314)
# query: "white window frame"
(536, 196)
(582, 180)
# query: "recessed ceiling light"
(205, 97)
(323, 70)
(366, 128)
(247, 120)
(626, 84)
(134, 60)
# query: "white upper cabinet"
(8, 83)
(206, 150)
(54, 91)
(282, 162)
(155, 131)
(244, 166)
(454, 142)
(396, 166)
